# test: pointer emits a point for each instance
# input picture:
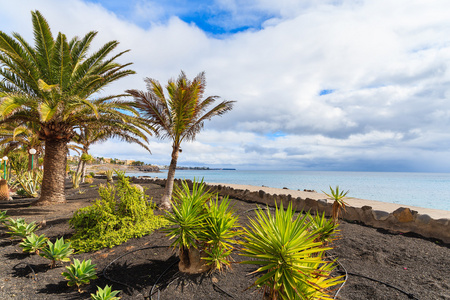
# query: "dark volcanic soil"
(419, 267)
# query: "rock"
(425, 219)
(261, 194)
(380, 215)
(323, 201)
(403, 215)
(366, 207)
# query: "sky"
(338, 85)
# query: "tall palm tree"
(179, 117)
(50, 85)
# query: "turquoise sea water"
(430, 190)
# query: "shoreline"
(353, 202)
(429, 223)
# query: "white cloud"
(386, 62)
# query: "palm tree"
(50, 85)
(180, 117)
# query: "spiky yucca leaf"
(220, 232)
(326, 229)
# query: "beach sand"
(355, 202)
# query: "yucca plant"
(18, 228)
(105, 294)
(290, 258)
(326, 229)
(79, 273)
(33, 243)
(109, 175)
(187, 219)
(31, 182)
(339, 203)
(58, 251)
(202, 229)
(13, 183)
(219, 233)
(76, 179)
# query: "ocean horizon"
(429, 190)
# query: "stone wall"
(401, 220)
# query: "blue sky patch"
(325, 92)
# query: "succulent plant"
(58, 251)
(18, 228)
(105, 294)
(33, 243)
(79, 273)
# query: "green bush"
(123, 212)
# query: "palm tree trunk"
(79, 166)
(52, 189)
(165, 204)
(83, 171)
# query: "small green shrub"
(33, 243)
(80, 273)
(58, 251)
(105, 294)
(18, 228)
(123, 212)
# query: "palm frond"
(44, 44)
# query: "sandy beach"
(355, 202)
